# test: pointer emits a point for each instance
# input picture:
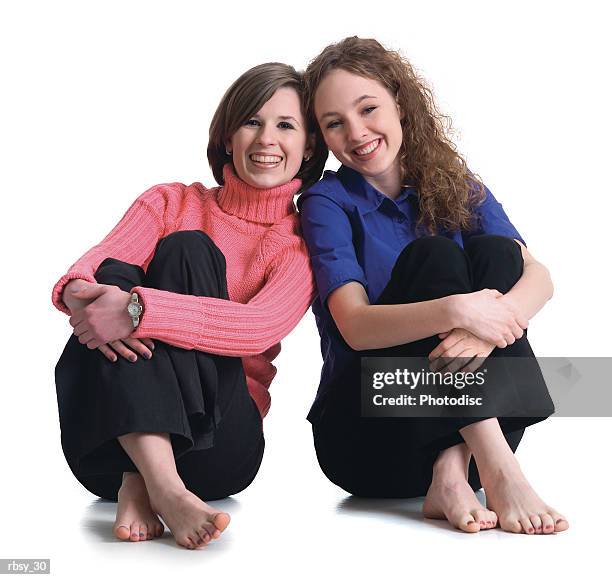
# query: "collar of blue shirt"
(366, 197)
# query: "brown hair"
(448, 191)
(242, 100)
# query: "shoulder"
(162, 193)
(329, 188)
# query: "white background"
(99, 101)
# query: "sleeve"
(231, 328)
(132, 240)
(492, 219)
(329, 237)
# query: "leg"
(206, 387)
(497, 263)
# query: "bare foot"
(518, 506)
(192, 522)
(455, 501)
(136, 520)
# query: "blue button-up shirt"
(355, 233)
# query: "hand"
(142, 346)
(105, 318)
(461, 346)
(487, 315)
(69, 295)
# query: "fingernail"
(147, 355)
(133, 358)
(152, 346)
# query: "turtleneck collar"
(265, 206)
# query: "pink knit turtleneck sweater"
(269, 279)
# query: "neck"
(264, 206)
(388, 183)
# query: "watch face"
(134, 309)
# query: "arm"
(367, 326)
(132, 240)
(231, 328)
(533, 289)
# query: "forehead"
(284, 102)
(339, 89)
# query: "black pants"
(393, 457)
(200, 399)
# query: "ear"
(399, 110)
(228, 146)
(310, 146)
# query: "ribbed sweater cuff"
(58, 289)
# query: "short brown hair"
(242, 100)
(448, 190)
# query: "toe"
(221, 520)
(491, 519)
(467, 523)
(561, 523)
(511, 525)
(142, 533)
(135, 532)
(537, 523)
(481, 517)
(548, 524)
(122, 532)
(527, 525)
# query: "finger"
(85, 337)
(81, 328)
(509, 338)
(443, 335)
(445, 345)
(123, 350)
(75, 319)
(108, 352)
(138, 346)
(149, 343)
(94, 343)
(475, 363)
(463, 358)
(517, 331)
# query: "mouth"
(265, 161)
(368, 150)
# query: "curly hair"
(242, 100)
(448, 191)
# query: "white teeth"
(266, 158)
(368, 149)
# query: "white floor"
(292, 522)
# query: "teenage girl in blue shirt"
(413, 256)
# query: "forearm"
(532, 291)
(373, 326)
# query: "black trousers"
(394, 456)
(200, 399)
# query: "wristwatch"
(134, 309)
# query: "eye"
(285, 125)
(333, 124)
(252, 122)
(368, 110)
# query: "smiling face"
(360, 122)
(269, 148)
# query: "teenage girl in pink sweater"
(178, 314)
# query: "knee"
(430, 249)
(493, 247)
(187, 243)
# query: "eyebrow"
(281, 117)
(355, 103)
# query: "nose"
(355, 130)
(266, 135)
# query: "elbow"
(356, 340)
